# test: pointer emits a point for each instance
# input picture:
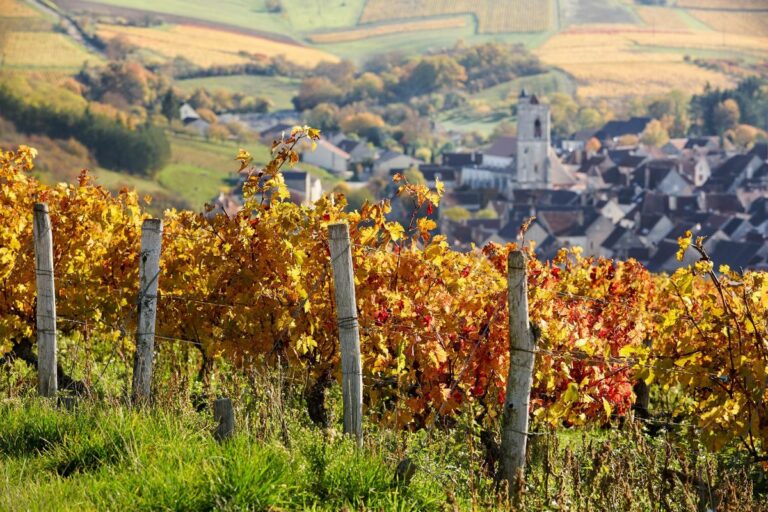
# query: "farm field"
(493, 16)
(615, 61)
(367, 31)
(755, 23)
(29, 43)
(279, 90)
(723, 4)
(208, 47)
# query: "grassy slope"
(120, 459)
(198, 171)
(29, 42)
(279, 90)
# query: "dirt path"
(72, 29)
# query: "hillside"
(608, 49)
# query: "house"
(614, 130)
(620, 242)
(653, 228)
(729, 175)
(192, 120)
(275, 132)
(501, 153)
(359, 151)
(305, 189)
(661, 176)
(486, 178)
(447, 175)
(389, 160)
(459, 160)
(187, 114)
(327, 156)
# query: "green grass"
(198, 171)
(113, 458)
(279, 90)
(500, 99)
(542, 84)
(298, 16)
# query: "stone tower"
(533, 141)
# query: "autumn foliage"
(256, 289)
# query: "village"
(592, 190)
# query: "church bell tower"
(533, 142)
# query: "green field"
(487, 108)
(198, 171)
(277, 89)
(297, 16)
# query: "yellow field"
(207, 47)
(616, 61)
(755, 23)
(343, 36)
(44, 50)
(723, 4)
(661, 18)
(15, 9)
(493, 16)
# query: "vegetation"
(141, 151)
(435, 359)
(492, 16)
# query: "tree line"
(142, 150)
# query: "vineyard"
(389, 28)
(735, 23)
(209, 47)
(492, 16)
(236, 301)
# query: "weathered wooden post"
(47, 377)
(514, 430)
(349, 332)
(149, 274)
(224, 415)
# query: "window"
(537, 129)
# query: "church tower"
(533, 142)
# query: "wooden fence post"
(349, 332)
(514, 430)
(47, 377)
(224, 415)
(149, 274)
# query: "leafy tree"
(364, 124)
(487, 213)
(456, 213)
(433, 73)
(170, 105)
(654, 134)
(324, 116)
(726, 115)
(316, 90)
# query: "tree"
(588, 118)
(726, 115)
(563, 110)
(200, 99)
(457, 214)
(654, 134)
(433, 73)
(316, 90)
(365, 124)
(324, 116)
(487, 213)
(170, 105)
